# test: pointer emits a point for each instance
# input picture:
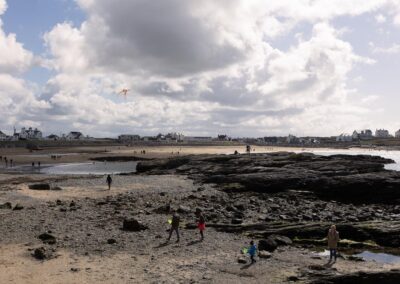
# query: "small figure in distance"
(333, 239)
(174, 226)
(252, 251)
(201, 222)
(109, 181)
(33, 164)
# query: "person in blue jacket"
(252, 251)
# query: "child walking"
(252, 251)
(201, 222)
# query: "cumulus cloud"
(204, 68)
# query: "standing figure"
(174, 226)
(333, 239)
(109, 181)
(252, 251)
(201, 222)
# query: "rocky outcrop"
(357, 179)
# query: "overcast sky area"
(238, 67)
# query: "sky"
(248, 68)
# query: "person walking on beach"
(174, 226)
(201, 222)
(109, 181)
(252, 251)
(333, 239)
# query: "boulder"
(40, 186)
(133, 225)
(6, 205)
(268, 244)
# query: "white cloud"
(380, 18)
(394, 49)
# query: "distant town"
(34, 134)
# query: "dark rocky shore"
(298, 196)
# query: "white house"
(344, 138)
(75, 135)
(382, 133)
(53, 137)
(27, 134)
(397, 135)
(3, 136)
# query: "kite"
(124, 92)
(245, 250)
(169, 221)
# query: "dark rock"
(47, 238)
(268, 244)
(111, 241)
(40, 253)
(18, 207)
(382, 277)
(241, 260)
(40, 186)
(164, 209)
(133, 225)
(6, 205)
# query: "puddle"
(379, 257)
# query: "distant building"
(366, 134)
(382, 133)
(3, 136)
(53, 137)
(128, 138)
(355, 135)
(291, 139)
(271, 140)
(74, 135)
(397, 135)
(27, 134)
(223, 137)
(344, 137)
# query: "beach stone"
(40, 253)
(111, 241)
(6, 205)
(183, 209)
(18, 207)
(241, 260)
(281, 240)
(47, 238)
(264, 254)
(133, 225)
(40, 186)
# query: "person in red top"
(201, 222)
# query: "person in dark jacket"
(174, 226)
(109, 182)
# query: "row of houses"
(168, 138)
(366, 135)
(35, 134)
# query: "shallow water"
(379, 257)
(97, 168)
